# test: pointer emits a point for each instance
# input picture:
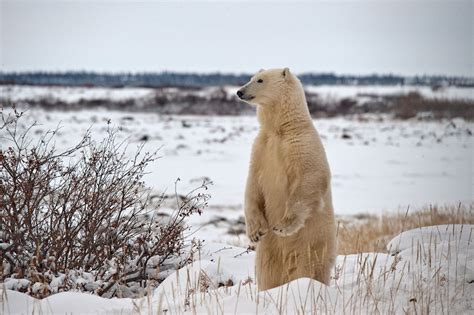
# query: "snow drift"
(429, 269)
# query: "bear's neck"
(290, 116)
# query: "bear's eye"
(259, 81)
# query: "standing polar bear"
(288, 204)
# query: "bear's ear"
(261, 70)
(286, 72)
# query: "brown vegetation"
(84, 213)
(413, 104)
(371, 233)
(217, 101)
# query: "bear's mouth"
(249, 98)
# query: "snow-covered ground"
(70, 94)
(16, 93)
(378, 164)
(427, 270)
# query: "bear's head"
(267, 86)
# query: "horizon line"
(224, 73)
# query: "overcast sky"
(356, 37)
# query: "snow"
(430, 271)
(69, 94)
(385, 165)
(16, 284)
(456, 233)
(66, 302)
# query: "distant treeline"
(165, 79)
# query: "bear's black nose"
(239, 93)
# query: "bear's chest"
(273, 177)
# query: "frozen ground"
(427, 270)
(70, 94)
(17, 93)
(377, 164)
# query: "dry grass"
(371, 233)
(412, 104)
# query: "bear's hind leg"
(307, 263)
(269, 266)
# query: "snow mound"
(442, 253)
(453, 234)
(426, 270)
(64, 303)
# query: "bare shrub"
(83, 218)
(331, 107)
(406, 106)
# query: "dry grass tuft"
(371, 233)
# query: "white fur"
(288, 205)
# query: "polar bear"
(288, 205)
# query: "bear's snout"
(245, 97)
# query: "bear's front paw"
(288, 226)
(256, 229)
